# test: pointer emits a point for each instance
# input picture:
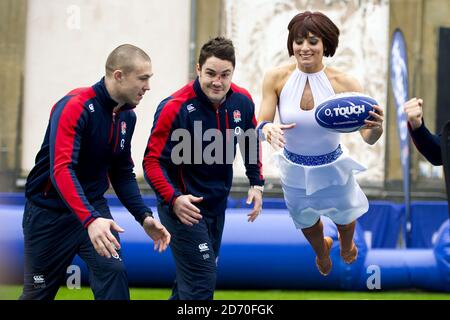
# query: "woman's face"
(308, 51)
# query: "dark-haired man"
(188, 163)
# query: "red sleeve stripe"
(63, 174)
(80, 91)
(157, 142)
(240, 90)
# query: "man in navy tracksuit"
(86, 147)
(188, 163)
(428, 144)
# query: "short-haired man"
(86, 147)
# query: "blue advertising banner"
(426, 219)
(382, 224)
(400, 90)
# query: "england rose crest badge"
(237, 116)
(123, 127)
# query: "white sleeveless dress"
(316, 176)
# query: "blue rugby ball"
(345, 112)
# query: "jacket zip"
(183, 185)
(218, 119)
(48, 185)
(112, 132)
(227, 124)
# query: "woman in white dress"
(316, 176)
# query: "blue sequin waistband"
(313, 160)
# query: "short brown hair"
(318, 24)
(218, 47)
(124, 58)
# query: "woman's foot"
(324, 265)
(350, 256)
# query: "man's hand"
(101, 237)
(255, 196)
(186, 211)
(157, 232)
(414, 112)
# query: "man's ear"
(199, 70)
(118, 75)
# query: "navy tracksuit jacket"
(210, 181)
(428, 144)
(190, 114)
(85, 148)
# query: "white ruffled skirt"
(329, 189)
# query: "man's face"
(134, 84)
(215, 78)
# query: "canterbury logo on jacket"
(184, 110)
(86, 145)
